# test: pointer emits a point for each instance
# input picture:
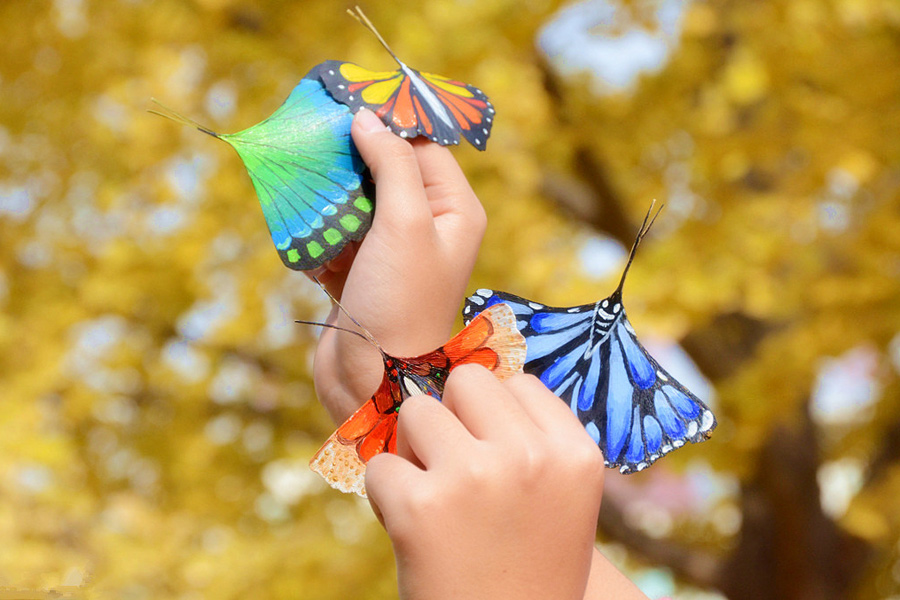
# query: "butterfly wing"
(590, 357)
(313, 187)
(491, 340)
(412, 103)
(341, 460)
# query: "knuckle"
(422, 500)
(586, 458)
(535, 463)
(480, 473)
(476, 218)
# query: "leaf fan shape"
(591, 358)
(315, 192)
(491, 339)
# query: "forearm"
(607, 582)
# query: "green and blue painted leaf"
(314, 189)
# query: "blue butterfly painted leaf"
(627, 402)
(590, 357)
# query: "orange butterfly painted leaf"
(491, 340)
(413, 103)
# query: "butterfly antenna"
(360, 16)
(330, 326)
(168, 113)
(645, 227)
(365, 332)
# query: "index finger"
(428, 430)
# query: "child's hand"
(493, 494)
(409, 274)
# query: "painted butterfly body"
(491, 339)
(412, 103)
(590, 357)
(314, 189)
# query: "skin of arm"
(404, 282)
(407, 278)
(607, 582)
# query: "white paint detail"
(535, 305)
(605, 315)
(426, 94)
(475, 300)
(692, 428)
(617, 308)
(484, 292)
(411, 387)
(706, 421)
(661, 376)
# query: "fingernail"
(368, 120)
